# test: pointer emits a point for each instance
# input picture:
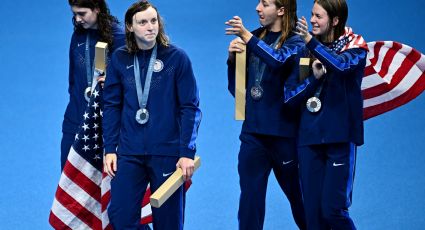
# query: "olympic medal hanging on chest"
(142, 116)
(87, 94)
(257, 92)
(314, 104)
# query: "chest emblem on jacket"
(158, 66)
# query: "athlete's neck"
(276, 26)
(145, 45)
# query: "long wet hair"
(335, 9)
(105, 20)
(289, 19)
(140, 6)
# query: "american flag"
(83, 193)
(394, 75)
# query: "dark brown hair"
(104, 19)
(161, 38)
(335, 9)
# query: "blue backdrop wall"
(34, 41)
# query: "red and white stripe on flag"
(354, 40)
(83, 195)
(394, 75)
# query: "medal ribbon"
(335, 46)
(319, 90)
(142, 96)
(89, 69)
(261, 67)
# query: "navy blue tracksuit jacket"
(341, 116)
(173, 105)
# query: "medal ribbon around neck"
(313, 103)
(91, 78)
(261, 67)
(142, 95)
(89, 68)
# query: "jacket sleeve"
(275, 58)
(112, 99)
(231, 78)
(297, 91)
(343, 62)
(71, 67)
(190, 113)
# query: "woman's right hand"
(236, 46)
(110, 164)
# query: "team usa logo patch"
(158, 66)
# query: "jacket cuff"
(312, 44)
(252, 42)
(189, 153)
(110, 149)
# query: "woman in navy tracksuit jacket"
(268, 136)
(329, 133)
(138, 153)
(91, 18)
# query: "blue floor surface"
(34, 41)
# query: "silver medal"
(314, 104)
(257, 92)
(142, 116)
(87, 94)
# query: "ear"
(97, 10)
(335, 21)
(281, 11)
(129, 27)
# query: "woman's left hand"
(318, 69)
(188, 167)
(237, 28)
(101, 80)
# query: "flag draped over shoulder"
(83, 193)
(350, 40)
(394, 75)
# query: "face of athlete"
(270, 16)
(85, 17)
(320, 21)
(145, 27)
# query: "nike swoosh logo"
(80, 44)
(129, 66)
(336, 165)
(167, 174)
(287, 162)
